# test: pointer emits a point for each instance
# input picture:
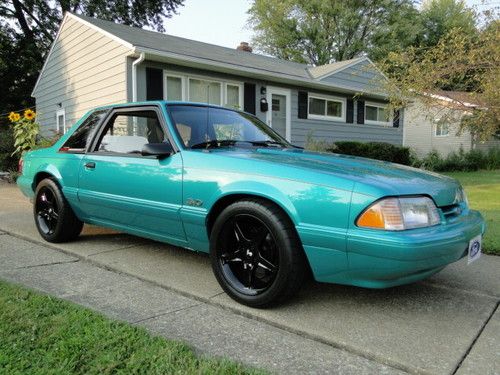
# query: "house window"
(203, 90)
(174, 88)
(442, 129)
(326, 108)
(376, 114)
(233, 96)
(61, 121)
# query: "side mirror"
(160, 150)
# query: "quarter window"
(376, 114)
(326, 108)
(128, 132)
(81, 137)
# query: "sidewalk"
(444, 325)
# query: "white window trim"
(343, 101)
(436, 128)
(61, 112)
(372, 122)
(240, 93)
(185, 85)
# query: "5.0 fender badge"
(194, 202)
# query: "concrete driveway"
(447, 324)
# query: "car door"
(120, 187)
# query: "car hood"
(373, 177)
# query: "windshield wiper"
(267, 143)
(231, 142)
(215, 143)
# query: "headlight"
(400, 213)
(462, 197)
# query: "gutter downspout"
(136, 62)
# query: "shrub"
(8, 162)
(375, 150)
(462, 161)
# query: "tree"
(439, 17)
(459, 61)
(28, 28)
(323, 31)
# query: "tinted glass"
(128, 132)
(79, 140)
(334, 109)
(198, 125)
(371, 113)
(317, 106)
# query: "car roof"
(163, 102)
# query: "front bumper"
(381, 259)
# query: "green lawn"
(44, 335)
(483, 191)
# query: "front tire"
(54, 218)
(256, 254)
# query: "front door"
(119, 186)
(278, 115)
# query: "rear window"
(79, 140)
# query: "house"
(94, 62)
(433, 124)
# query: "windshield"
(207, 127)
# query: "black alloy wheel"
(256, 254)
(54, 217)
(249, 256)
(46, 211)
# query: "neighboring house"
(94, 62)
(436, 127)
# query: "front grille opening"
(451, 211)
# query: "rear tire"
(54, 217)
(256, 254)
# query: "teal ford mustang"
(216, 180)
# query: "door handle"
(90, 165)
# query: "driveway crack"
(111, 250)
(47, 264)
(166, 313)
(467, 352)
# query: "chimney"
(244, 46)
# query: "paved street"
(445, 325)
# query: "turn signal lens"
(400, 213)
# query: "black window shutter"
(349, 114)
(303, 97)
(249, 98)
(154, 84)
(361, 112)
(395, 121)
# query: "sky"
(221, 22)
(224, 22)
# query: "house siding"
(329, 131)
(420, 131)
(333, 131)
(361, 77)
(85, 69)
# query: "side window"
(79, 140)
(191, 123)
(128, 132)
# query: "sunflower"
(29, 114)
(13, 116)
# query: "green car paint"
(175, 199)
